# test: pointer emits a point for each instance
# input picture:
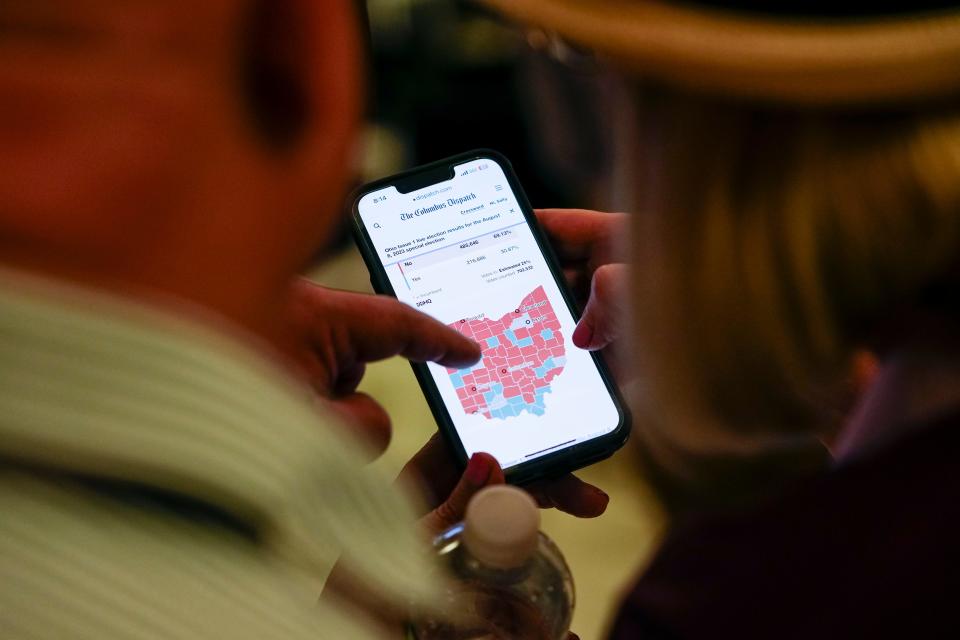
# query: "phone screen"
(463, 252)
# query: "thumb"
(602, 320)
(483, 470)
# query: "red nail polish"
(582, 335)
(478, 470)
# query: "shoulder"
(869, 549)
(77, 563)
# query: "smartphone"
(457, 239)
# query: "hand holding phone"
(589, 246)
(457, 240)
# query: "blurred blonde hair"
(780, 240)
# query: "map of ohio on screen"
(522, 352)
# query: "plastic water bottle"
(507, 580)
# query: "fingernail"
(583, 335)
(478, 470)
(600, 504)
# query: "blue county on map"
(523, 352)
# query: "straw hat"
(838, 57)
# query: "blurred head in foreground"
(193, 150)
(799, 181)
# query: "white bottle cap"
(501, 527)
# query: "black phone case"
(546, 466)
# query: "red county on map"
(522, 352)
